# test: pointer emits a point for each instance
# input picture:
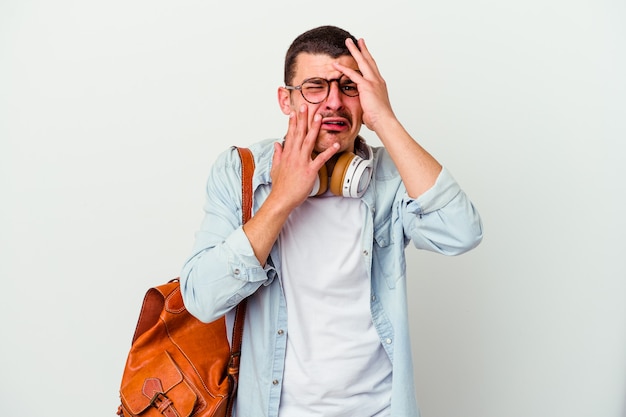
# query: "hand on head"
(373, 93)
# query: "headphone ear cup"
(351, 175)
(338, 178)
(321, 183)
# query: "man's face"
(342, 116)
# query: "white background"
(111, 113)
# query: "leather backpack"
(179, 366)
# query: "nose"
(334, 100)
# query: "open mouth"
(335, 124)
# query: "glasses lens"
(315, 90)
(348, 87)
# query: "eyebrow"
(341, 76)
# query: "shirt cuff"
(436, 197)
(243, 262)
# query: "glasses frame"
(328, 82)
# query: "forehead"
(320, 65)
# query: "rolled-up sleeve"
(443, 219)
(222, 269)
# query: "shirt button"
(281, 332)
(388, 341)
(373, 298)
(275, 382)
(236, 271)
(365, 253)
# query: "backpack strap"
(247, 171)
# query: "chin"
(327, 139)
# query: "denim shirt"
(223, 269)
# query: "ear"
(284, 100)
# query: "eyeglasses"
(315, 90)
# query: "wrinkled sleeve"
(222, 269)
(443, 219)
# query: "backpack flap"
(157, 382)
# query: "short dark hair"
(325, 40)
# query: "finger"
(297, 128)
(278, 151)
(302, 124)
(291, 130)
(354, 75)
(363, 57)
(311, 136)
(365, 52)
(324, 156)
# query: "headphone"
(350, 177)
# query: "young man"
(322, 259)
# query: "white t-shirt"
(335, 363)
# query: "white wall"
(112, 112)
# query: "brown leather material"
(179, 366)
